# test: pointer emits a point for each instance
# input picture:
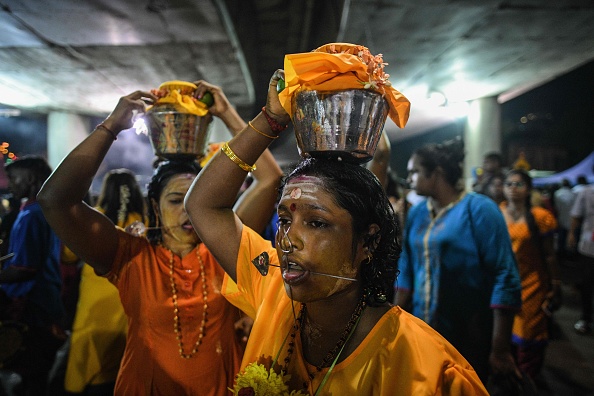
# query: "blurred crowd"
(481, 267)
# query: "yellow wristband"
(260, 132)
(229, 153)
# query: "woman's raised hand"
(221, 104)
(121, 117)
(273, 105)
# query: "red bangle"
(275, 126)
(112, 133)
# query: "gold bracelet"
(229, 153)
(260, 132)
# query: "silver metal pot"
(346, 124)
(176, 135)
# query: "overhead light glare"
(10, 113)
(437, 99)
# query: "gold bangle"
(229, 153)
(260, 132)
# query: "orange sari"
(530, 324)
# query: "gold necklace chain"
(176, 313)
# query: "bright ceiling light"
(15, 94)
(464, 90)
(437, 99)
(434, 104)
(10, 113)
(416, 94)
(459, 109)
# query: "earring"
(369, 258)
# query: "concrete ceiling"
(81, 56)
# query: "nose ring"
(285, 244)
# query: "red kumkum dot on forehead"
(293, 207)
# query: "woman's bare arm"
(210, 200)
(88, 233)
(380, 163)
(256, 204)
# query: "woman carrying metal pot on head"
(323, 324)
(181, 338)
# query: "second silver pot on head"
(346, 124)
(176, 135)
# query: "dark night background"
(558, 134)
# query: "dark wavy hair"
(358, 191)
(162, 174)
(110, 199)
(36, 165)
(448, 155)
(535, 235)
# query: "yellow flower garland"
(256, 380)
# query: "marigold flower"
(256, 380)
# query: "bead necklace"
(333, 354)
(176, 321)
(292, 332)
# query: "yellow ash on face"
(304, 202)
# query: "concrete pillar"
(482, 133)
(64, 132)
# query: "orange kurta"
(99, 330)
(152, 363)
(401, 355)
(530, 324)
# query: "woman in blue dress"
(457, 268)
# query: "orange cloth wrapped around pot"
(340, 66)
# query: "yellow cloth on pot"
(184, 103)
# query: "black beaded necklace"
(334, 353)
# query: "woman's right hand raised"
(221, 104)
(273, 105)
(121, 117)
